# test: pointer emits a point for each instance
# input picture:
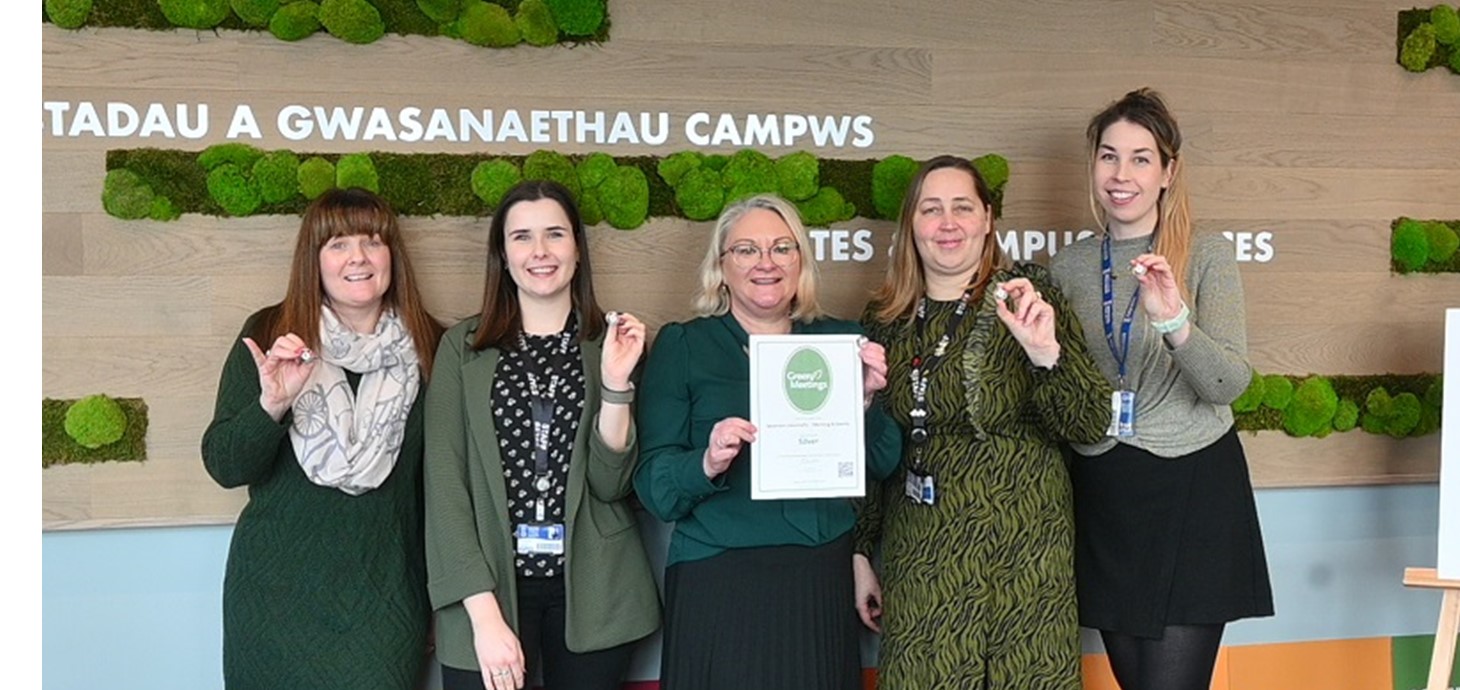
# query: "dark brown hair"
(345, 213)
(501, 312)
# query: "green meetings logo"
(808, 380)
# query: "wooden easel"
(1449, 627)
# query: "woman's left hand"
(874, 371)
(1160, 298)
(1031, 321)
(623, 344)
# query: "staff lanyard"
(922, 370)
(542, 412)
(1107, 311)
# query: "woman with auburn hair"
(1169, 548)
(987, 375)
(756, 592)
(532, 546)
(326, 578)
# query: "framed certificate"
(806, 405)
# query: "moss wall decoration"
(1429, 38)
(93, 429)
(1424, 246)
(240, 180)
(1394, 405)
(496, 24)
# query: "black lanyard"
(542, 403)
(922, 370)
(1107, 310)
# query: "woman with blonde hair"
(756, 591)
(987, 375)
(326, 576)
(1169, 549)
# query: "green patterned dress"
(979, 589)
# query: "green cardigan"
(698, 374)
(611, 595)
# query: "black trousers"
(542, 630)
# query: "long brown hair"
(1145, 108)
(345, 213)
(501, 312)
(905, 283)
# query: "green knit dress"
(979, 588)
(323, 589)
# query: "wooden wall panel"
(1298, 125)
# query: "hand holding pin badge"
(612, 319)
(1138, 269)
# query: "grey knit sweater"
(1183, 395)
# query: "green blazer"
(611, 595)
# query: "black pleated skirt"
(1168, 541)
(769, 618)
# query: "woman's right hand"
(282, 374)
(868, 591)
(725, 440)
(499, 654)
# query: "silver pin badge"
(306, 356)
(612, 318)
(1138, 269)
(1000, 293)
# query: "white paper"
(806, 405)
(1449, 561)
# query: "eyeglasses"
(747, 254)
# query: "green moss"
(993, 168)
(484, 24)
(1312, 408)
(1372, 423)
(1409, 245)
(440, 11)
(316, 176)
(578, 18)
(590, 209)
(295, 20)
(255, 12)
(1429, 422)
(824, 208)
(715, 161)
(352, 21)
(748, 173)
(68, 14)
(277, 175)
(241, 155)
(1441, 241)
(798, 176)
(1277, 391)
(1435, 393)
(1405, 417)
(1454, 61)
(551, 165)
(125, 195)
(234, 192)
(624, 198)
(1378, 403)
(594, 169)
(162, 210)
(357, 170)
(194, 14)
(536, 23)
(492, 179)
(1418, 48)
(1250, 398)
(890, 178)
(1346, 415)
(700, 194)
(674, 166)
(1446, 23)
(58, 448)
(95, 421)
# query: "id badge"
(538, 538)
(919, 488)
(1122, 414)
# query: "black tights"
(1182, 659)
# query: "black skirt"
(1167, 541)
(769, 618)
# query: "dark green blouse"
(698, 374)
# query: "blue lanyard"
(1107, 310)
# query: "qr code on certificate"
(843, 470)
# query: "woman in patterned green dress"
(976, 532)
